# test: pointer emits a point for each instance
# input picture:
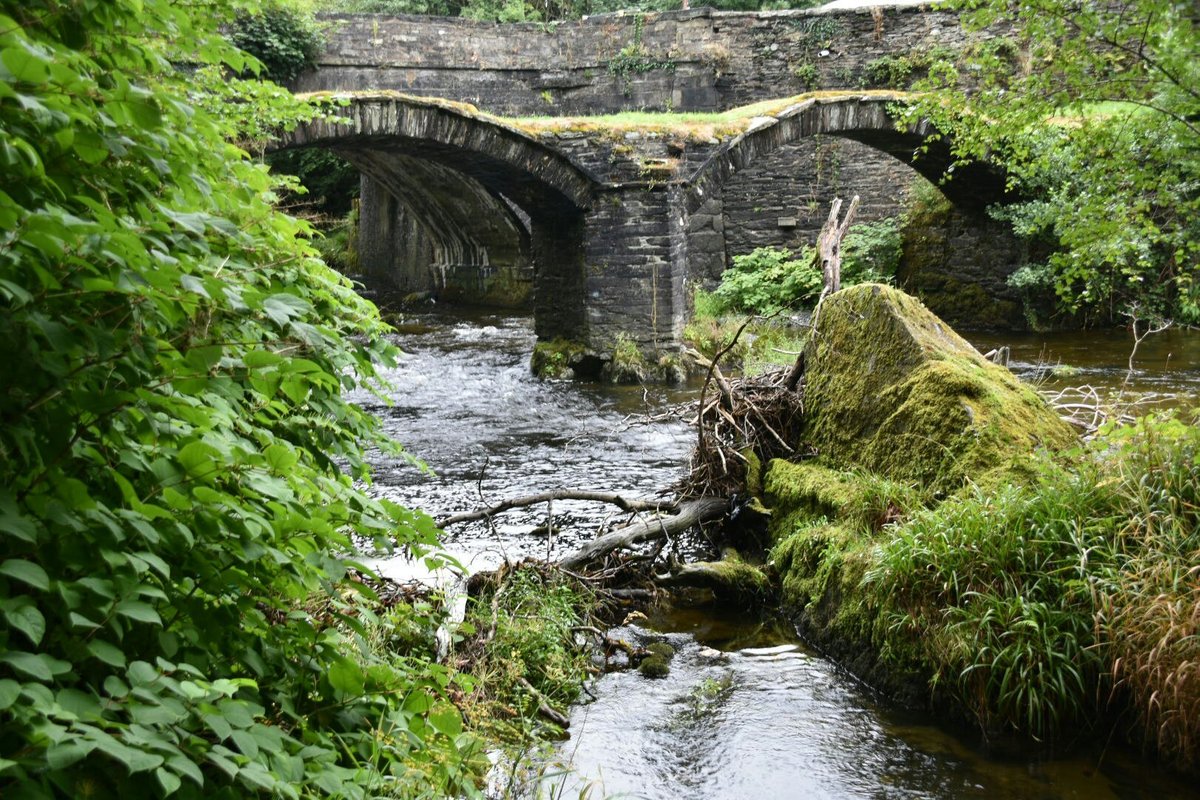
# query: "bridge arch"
(866, 118)
(469, 188)
(751, 193)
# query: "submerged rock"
(892, 389)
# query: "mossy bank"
(953, 543)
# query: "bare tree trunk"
(829, 244)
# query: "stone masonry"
(616, 228)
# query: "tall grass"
(1150, 619)
(1039, 605)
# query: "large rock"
(891, 389)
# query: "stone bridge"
(615, 225)
(608, 224)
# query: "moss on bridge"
(690, 126)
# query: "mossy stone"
(556, 359)
(661, 650)
(654, 667)
(892, 389)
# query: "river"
(730, 721)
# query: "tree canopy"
(181, 491)
(1094, 110)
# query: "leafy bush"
(179, 480)
(524, 621)
(871, 252)
(768, 279)
(282, 36)
(331, 182)
(1102, 148)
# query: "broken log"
(690, 512)
(829, 244)
(617, 500)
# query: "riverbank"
(949, 540)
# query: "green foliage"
(282, 36)
(768, 279)
(897, 72)
(807, 74)
(706, 305)
(525, 621)
(1101, 136)
(338, 244)
(180, 496)
(633, 58)
(1032, 602)
(331, 182)
(628, 364)
(871, 252)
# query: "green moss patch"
(892, 389)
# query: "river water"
(730, 721)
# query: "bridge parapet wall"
(698, 60)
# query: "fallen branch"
(544, 708)
(560, 494)
(690, 512)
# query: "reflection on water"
(731, 724)
(1166, 363)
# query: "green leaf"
(63, 754)
(27, 572)
(347, 677)
(218, 725)
(246, 743)
(198, 459)
(236, 713)
(25, 64)
(139, 611)
(184, 766)
(39, 666)
(448, 722)
(28, 620)
(107, 653)
(10, 690)
(168, 781)
(280, 458)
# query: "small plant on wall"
(633, 59)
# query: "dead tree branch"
(617, 500)
(829, 244)
(690, 512)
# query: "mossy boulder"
(661, 649)
(654, 667)
(891, 389)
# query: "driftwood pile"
(740, 420)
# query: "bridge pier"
(635, 268)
